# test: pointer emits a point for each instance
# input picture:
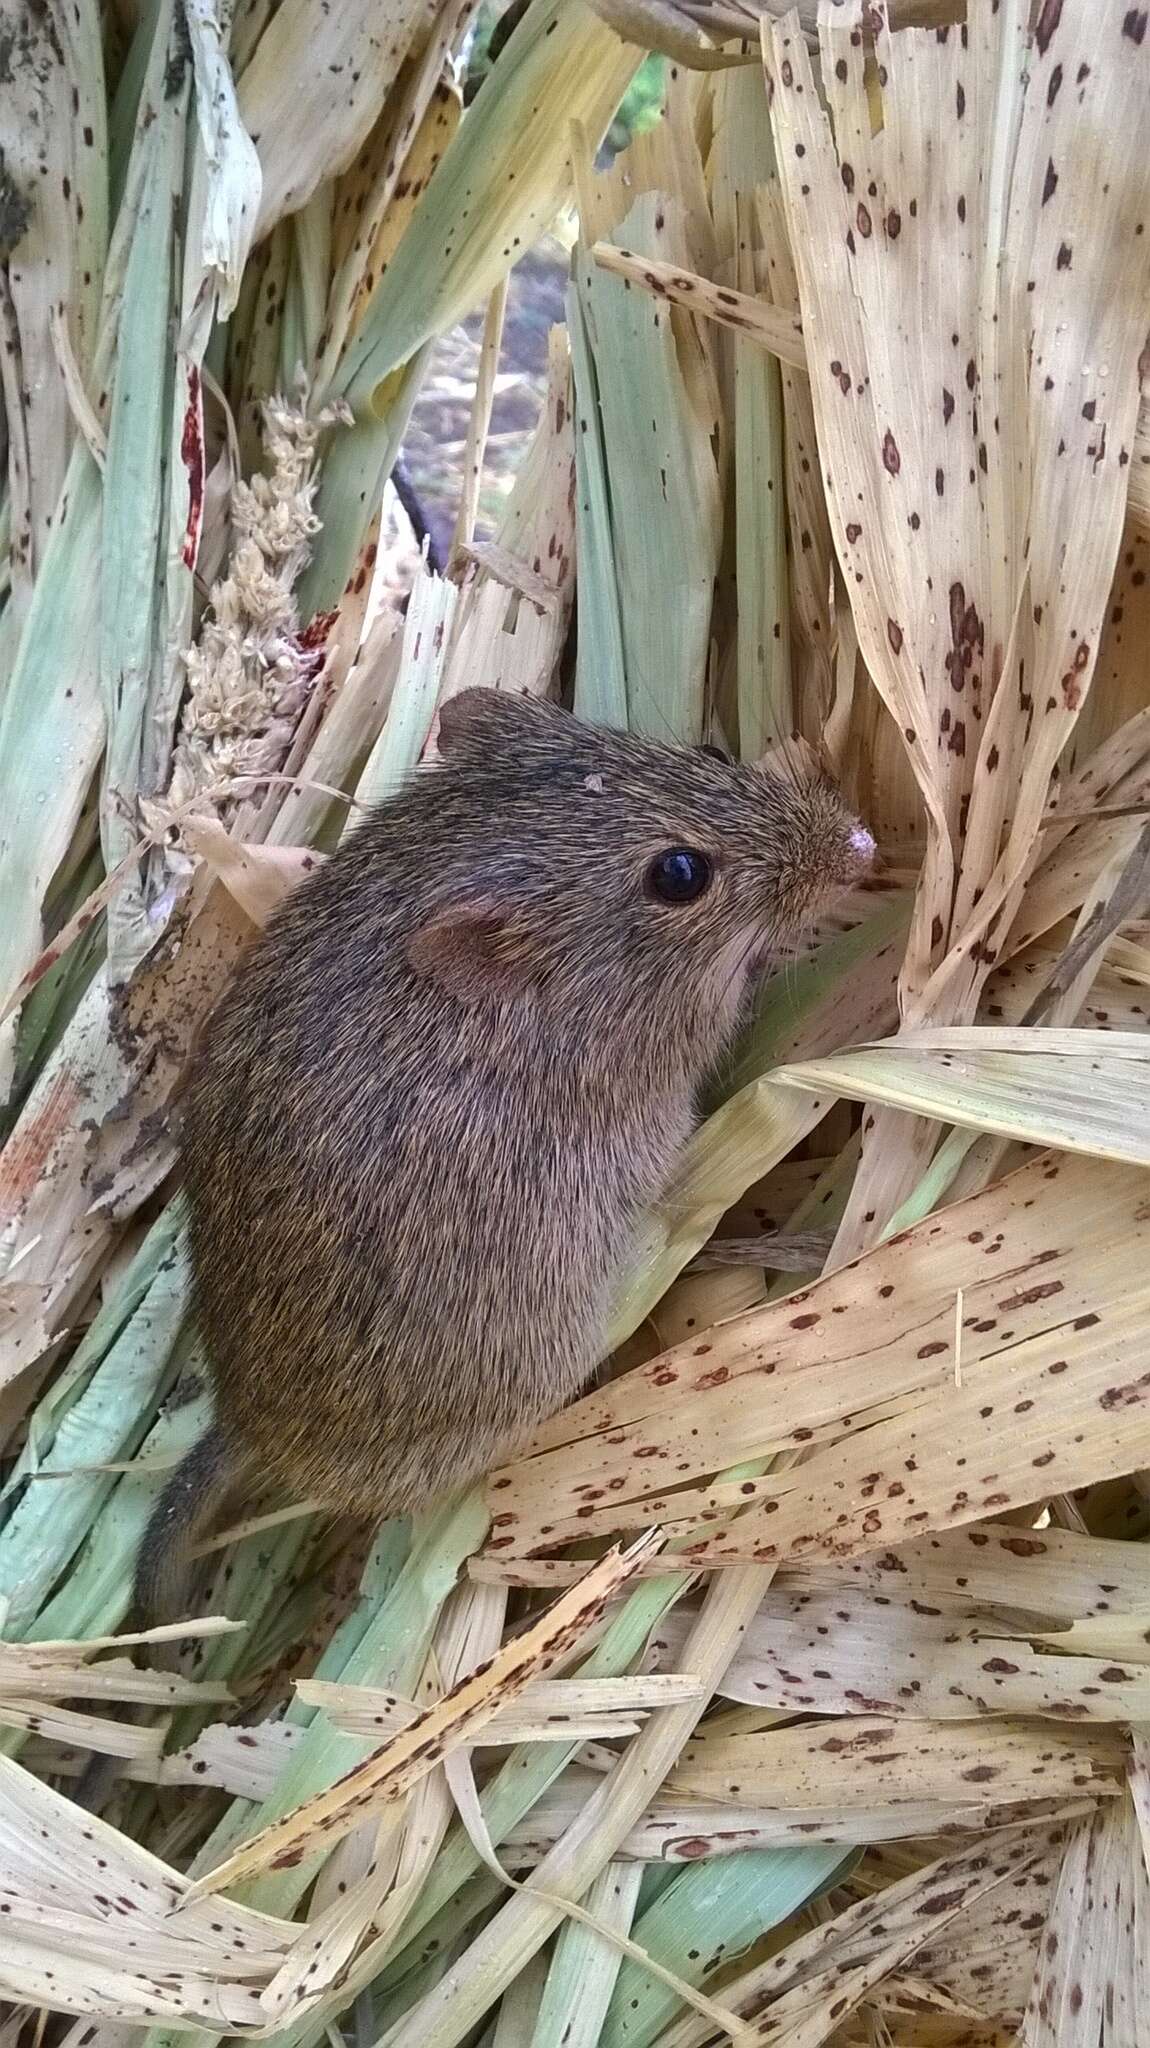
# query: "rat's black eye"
(678, 875)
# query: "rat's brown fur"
(443, 1088)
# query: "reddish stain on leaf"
(313, 637)
(25, 1164)
(1071, 685)
(192, 456)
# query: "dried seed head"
(251, 673)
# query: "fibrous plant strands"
(517, 595)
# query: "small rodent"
(446, 1083)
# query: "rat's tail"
(162, 1574)
(163, 1564)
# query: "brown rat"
(446, 1083)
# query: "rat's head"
(633, 873)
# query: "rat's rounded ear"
(476, 723)
(476, 952)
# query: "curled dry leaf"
(258, 877)
(345, 62)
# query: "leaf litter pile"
(793, 1686)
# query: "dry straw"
(792, 1686)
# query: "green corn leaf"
(601, 667)
(156, 1256)
(585, 1967)
(508, 169)
(360, 458)
(663, 493)
(705, 1917)
(47, 1526)
(1090, 1092)
(51, 731)
(135, 509)
(766, 710)
(53, 718)
(93, 1599)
